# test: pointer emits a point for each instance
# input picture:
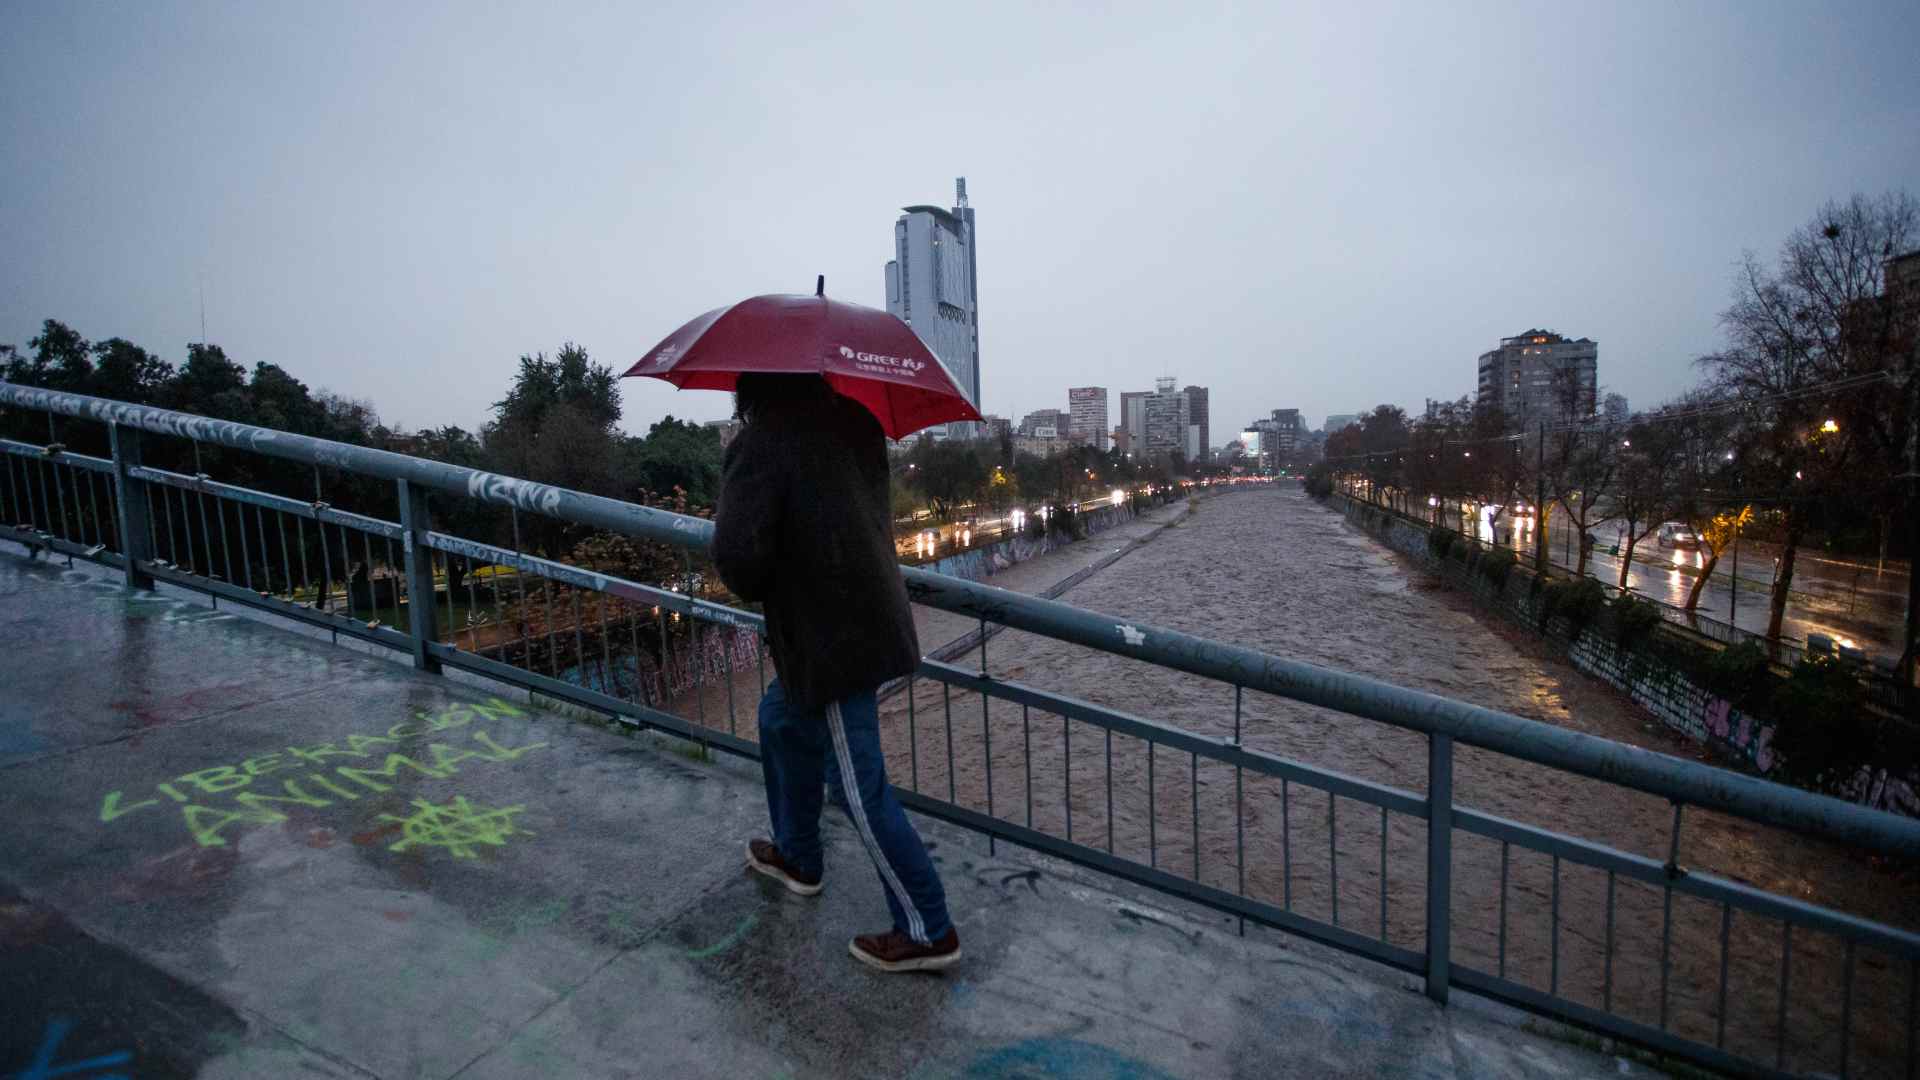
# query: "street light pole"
(1733, 599)
(1540, 503)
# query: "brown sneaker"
(895, 951)
(764, 858)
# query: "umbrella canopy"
(867, 355)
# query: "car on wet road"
(1679, 535)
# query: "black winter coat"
(805, 526)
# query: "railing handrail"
(1678, 780)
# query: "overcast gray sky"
(1312, 208)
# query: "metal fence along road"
(511, 608)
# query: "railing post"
(1439, 863)
(414, 524)
(130, 505)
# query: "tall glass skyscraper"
(931, 282)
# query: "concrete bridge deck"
(228, 849)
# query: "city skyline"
(369, 205)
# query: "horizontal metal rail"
(64, 457)
(1669, 777)
(320, 512)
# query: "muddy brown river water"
(1273, 570)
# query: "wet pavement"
(229, 850)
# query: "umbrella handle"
(820, 285)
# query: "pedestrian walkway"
(230, 850)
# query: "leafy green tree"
(947, 473)
(62, 359)
(211, 385)
(124, 371)
(571, 378)
(679, 454)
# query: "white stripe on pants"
(916, 927)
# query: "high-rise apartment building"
(1540, 376)
(1198, 440)
(1166, 418)
(931, 286)
(1087, 406)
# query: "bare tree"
(1580, 469)
(1644, 481)
(1704, 431)
(1800, 335)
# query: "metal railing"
(1141, 800)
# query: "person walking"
(804, 526)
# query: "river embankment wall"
(1665, 691)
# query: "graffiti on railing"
(183, 425)
(525, 494)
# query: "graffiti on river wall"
(641, 676)
(982, 563)
(1753, 741)
(1664, 691)
(214, 801)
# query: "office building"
(1340, 421)
(1540, 377)
(1133, 417)
(1165, 418)
(1200, 437)
(931, 286)
(998, 427)
(727, 428)
(1290, 429)
(1038, 445)
(1087, 410)
(1046, 423)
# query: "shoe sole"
(800, 888)
(918, 963)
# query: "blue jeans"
(800, 755)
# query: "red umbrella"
(867, 355)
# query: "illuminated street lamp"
(1830, 427)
